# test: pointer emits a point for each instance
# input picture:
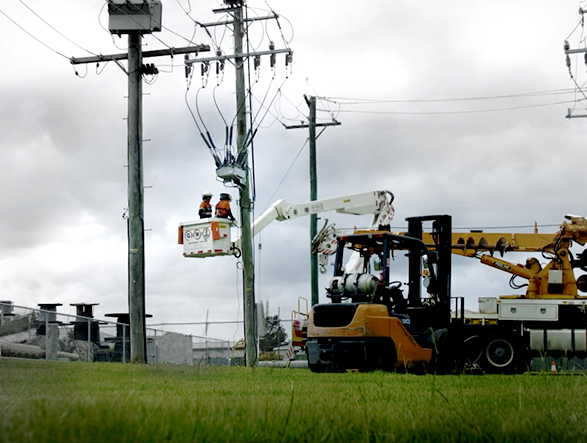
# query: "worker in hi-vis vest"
(205, 207)
(223, 207)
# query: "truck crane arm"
(378, 203)
(555, 280)
(469, 244)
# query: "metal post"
(155, 346)
(46, 336)
(313, 196)
(89, 339)
(278, 330)
(245, 199)
(52, 342)
(123, 343)
(136, 238)
(206, 335)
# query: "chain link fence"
(46, 334)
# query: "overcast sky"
(456, 107)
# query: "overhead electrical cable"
(190, 41)
(32, 36)
(262, 102)
(211, 149)
(279, 108)
(333, 116)
(228, 130)
(209, 137)
(188, 12)
(275, 117)
(267, 108)
(263, 24)
(205, 28)
(224, 28)
(474, 111)
(359, 101)
(286, 173)
(217, 107)
(579, 23)
(277, 17)
(579, 88)
(112, 36)
(54, 29)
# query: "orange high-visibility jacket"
(205, 210)
(223, 209)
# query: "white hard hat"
(207, 194)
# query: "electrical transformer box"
(128, 16)
(206, 238)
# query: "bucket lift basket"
(206, 238)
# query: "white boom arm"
(374, 202)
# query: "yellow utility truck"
(375, 321)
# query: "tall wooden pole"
(136, 229)
(245, 199)
(313, 196)
(312, 125)
(128, 19)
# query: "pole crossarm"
(223, 23)
(235, 56)
(157, 53)
(334, 123)
(575, 51)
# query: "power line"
(286, 173)
(179, 35)
(184, 10)
(32, 36)
(579, 23)
(267, 108)
(54, 29)
(359, 101)
(475, 111)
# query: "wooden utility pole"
(314, 276)
(245, 198)
(136, 221)
(242, 178)
(313, 196)
(122, 22)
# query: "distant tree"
(275, 335)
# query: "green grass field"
(107, 402)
